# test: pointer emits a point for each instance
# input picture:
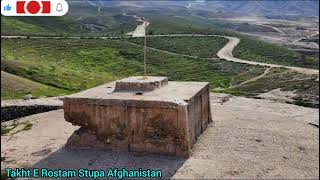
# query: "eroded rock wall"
(199, 114)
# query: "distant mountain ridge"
(257, 7)
(304, 8)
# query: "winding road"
(226, 53)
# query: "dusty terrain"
(249, 138)
(300, 35)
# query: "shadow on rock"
(93, 159)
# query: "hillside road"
(227, 53)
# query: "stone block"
(166, 120)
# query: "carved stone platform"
(154, 115)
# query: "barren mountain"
(270, 8)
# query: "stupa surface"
(133, 114)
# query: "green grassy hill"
(255, 50)
(205, 47)
(83, 20)
(38, 26)
(73, 65)
(306, 87)
(15, 87)
(249, 48)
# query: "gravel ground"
(250, 138)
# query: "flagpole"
(145, 51)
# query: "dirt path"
(253, 79)
(226, 53)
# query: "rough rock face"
(167, 120)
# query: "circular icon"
(33, 7)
